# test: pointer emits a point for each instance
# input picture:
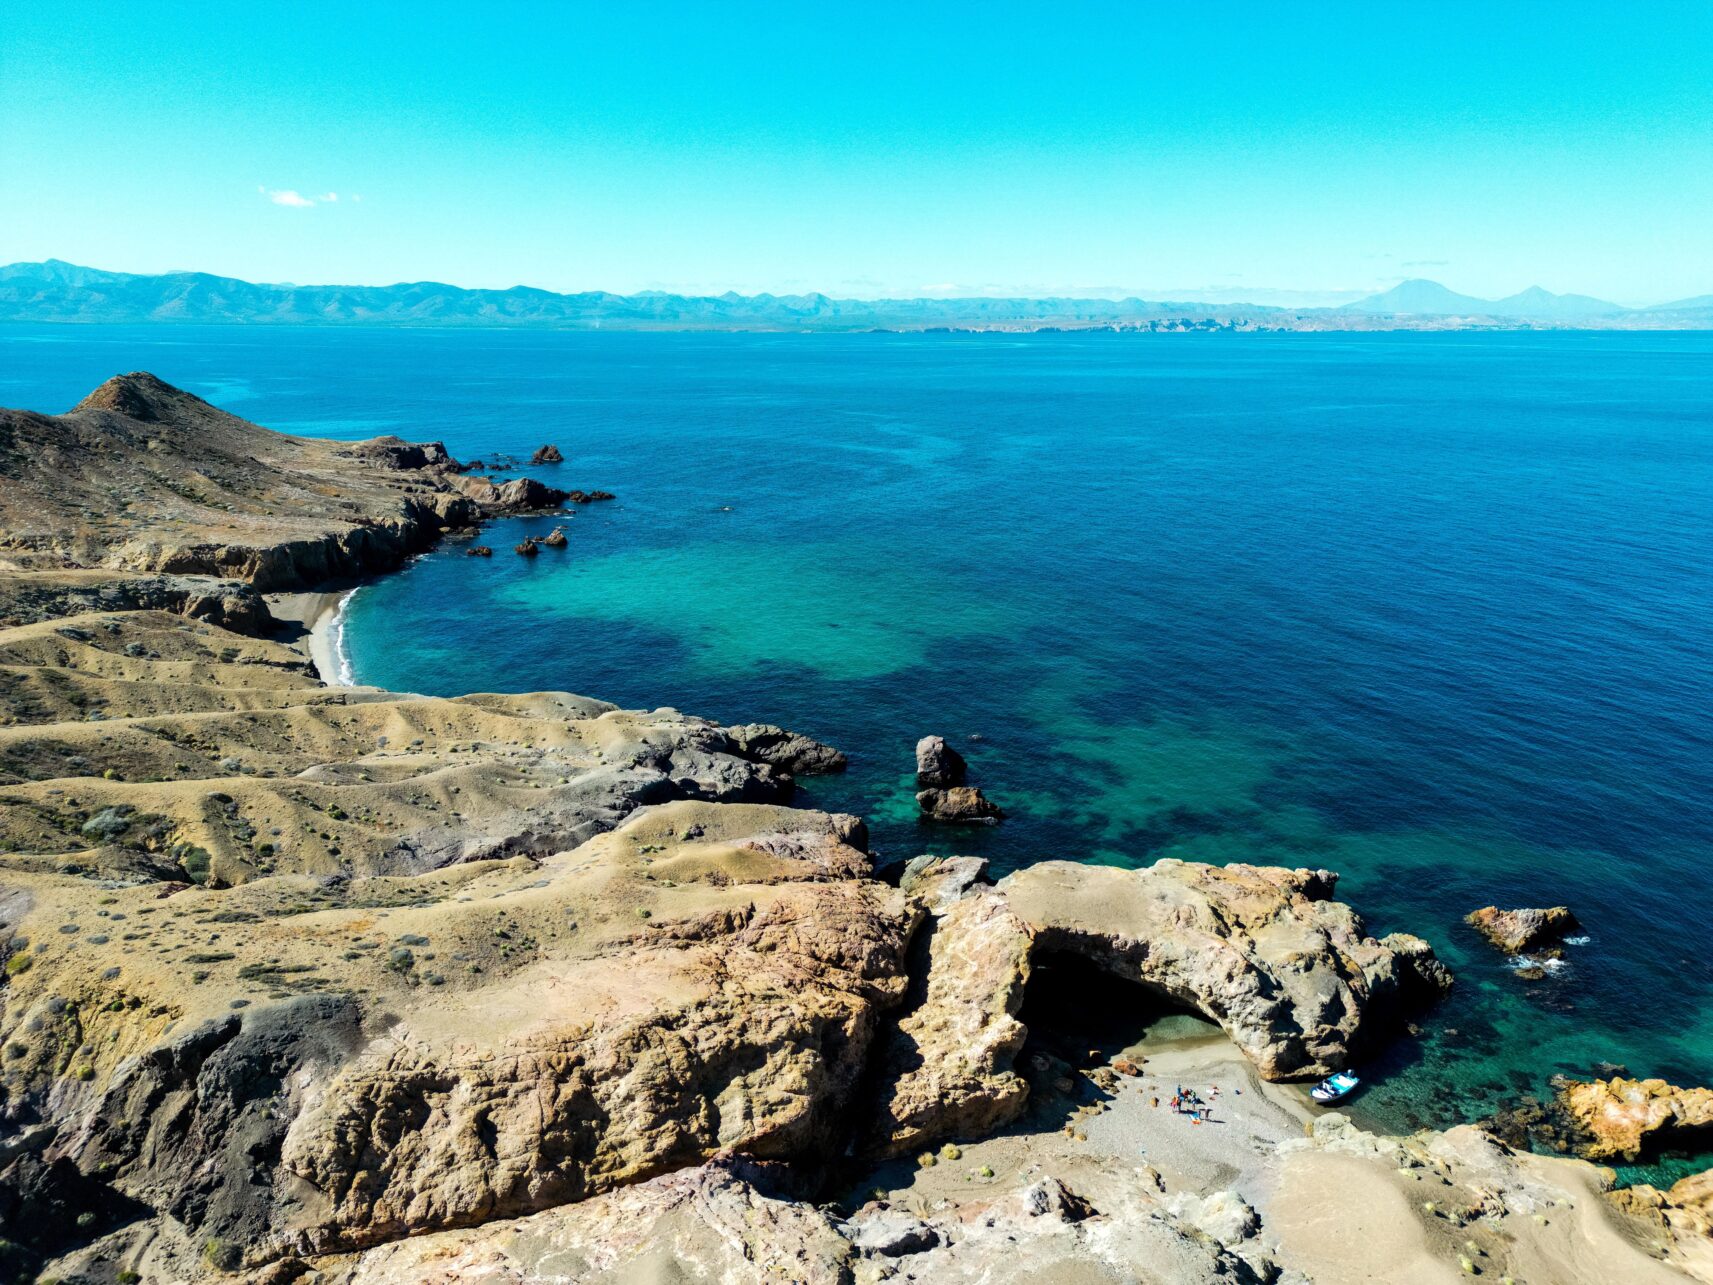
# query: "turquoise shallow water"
(1431, 610)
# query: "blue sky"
(869, 148)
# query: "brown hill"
(142, 476)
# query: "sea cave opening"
(1084, 1015)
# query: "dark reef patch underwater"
(1428, 609)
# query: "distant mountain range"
(64, 292)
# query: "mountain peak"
(1420, 297)
(138, 395)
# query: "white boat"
(1340, 1084)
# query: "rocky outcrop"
(479, 551)
(938, 765)
(718, 990)
(719, 1222)
(1263, 951)
(526, 548)
(788, 751)
(1289, 974)
(520, 495)
(396, 453)
(942, 795)
(960, 805)
(1049, 1231)
(30, 596)
(1683, 1214)
(555, 539)
(1517, 931)
(548, 454)
(1423, 979)
(739, 1016)
(938, 881)
(714, 1222)
(945, 1070)
(1621, 1119)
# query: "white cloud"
(295, 199)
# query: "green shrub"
(109, 823)
(222, 1255)
(194, 861)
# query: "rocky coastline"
(321, 984)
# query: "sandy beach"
(1340, 1206)
(315, 614)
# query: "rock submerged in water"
(1516, 931)
(548, 454)
(478, 551)
(555, 539)
(526, 548)
(960, 805)
(938, 765)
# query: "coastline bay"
(1421, 609)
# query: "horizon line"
(1069, 293)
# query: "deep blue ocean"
(1432, 610)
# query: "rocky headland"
(342, 985)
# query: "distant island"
(56, 291)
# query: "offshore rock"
(959, 805)
(548, 454)
(938, 765)
(1516, 931)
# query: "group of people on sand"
(1189, 1102)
